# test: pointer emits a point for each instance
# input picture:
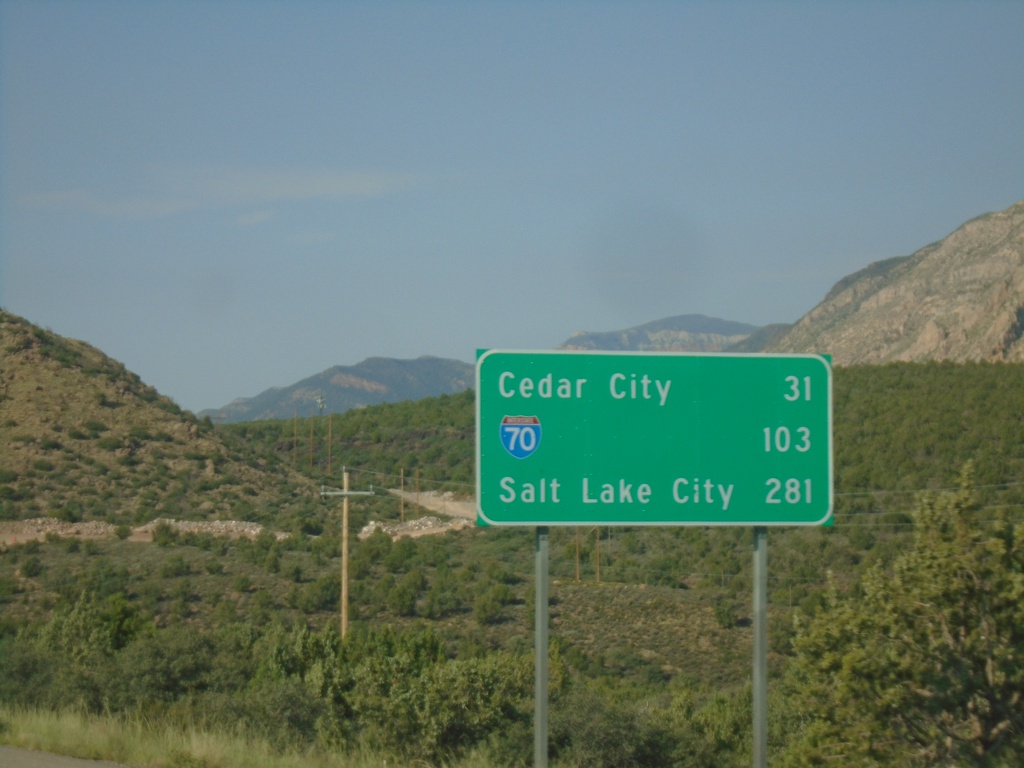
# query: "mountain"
(387, 380)
(761, 339)
(83, 437)
(341, 388)
(960, 299)
(683, 333)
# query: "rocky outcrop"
(961, 299)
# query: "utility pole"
(320, 403)
(598, 529)
(344, 493)
(330, 423)
(312, 421)
(577, 554)
(401, 497)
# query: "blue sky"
(229, 196)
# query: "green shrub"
(401, 600)
(164, 534)
(323, 595)
(140, 433)
(175, 567)
(487, 608)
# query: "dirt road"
(445, 503)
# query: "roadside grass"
(140, 744)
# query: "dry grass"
(142, 744)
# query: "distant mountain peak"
(374, 380)
(682, 333)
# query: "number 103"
(781, 440)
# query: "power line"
(926, 490)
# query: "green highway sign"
(596, 438)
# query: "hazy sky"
(229, 196)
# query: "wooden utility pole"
(344, 554)
(577, 554)
(598, 529)
(344, 493)
(312, 421)
(401, 496)
(295, 439)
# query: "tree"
(923, 666)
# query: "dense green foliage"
(907, 612)
(431, 439)
(921, 663)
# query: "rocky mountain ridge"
(959, 299)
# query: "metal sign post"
(760, 622)
(540, 650)
(598, 438)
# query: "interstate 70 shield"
(520, 435)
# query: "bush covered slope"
(896, 631)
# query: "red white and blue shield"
(520, 435)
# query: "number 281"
(792, 491)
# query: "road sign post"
(581, 438)
(576, 438)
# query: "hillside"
(238, 634)
(342, 388)
(82, 437)
(959, 299)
